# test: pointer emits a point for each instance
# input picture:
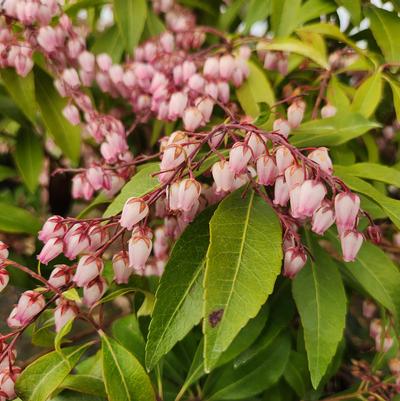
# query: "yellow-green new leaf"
(368, 95)
(243, 261)
(284, 16)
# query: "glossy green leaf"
(131, 18)
(65, 135)
(331, 131)
(110, 41)
(124, 377)
(126, 330)
(313, 9)
(386, 30)
(321, 301)
(296, 46)
(85, 384)
(6, 172)
(296, 373)
(179, 296)
(243, 261)
(41, 378)
(395, 86)
(29, 158)
(256, 89)
(284, 16)
(263, 371)
(21, 90)
(368, 95)
(337, 96)
(264, 114)
(16, 220)
(66, 329)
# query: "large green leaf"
(256, 89)
(179, 296)
(22, 91)
(16, 220)
(131, 18)
(320, 298)
(263, 371)
(312, 9)
(395, 86)
(243, 261)
(124, 377)
(284, 16)
(386, 30)
(296, 373)
(6, 172)
(258, 10)
(65, 135)
(41, 378)
(29, 158)
(368, 95)
(87, 384)
(331, 131)
(337, 96)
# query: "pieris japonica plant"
(199, 200)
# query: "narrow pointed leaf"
(17, 220)
(243, 261)
(368, 95)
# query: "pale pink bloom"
(294, 196)
(75, 243)
(226, 66)
(295, 113)
(321, 157)
(368, 309)
(347, 206)
(294, 175)
(95, 176)
(177, 105)
(139, 251)
(375, 328)
(64, 312)
(211, 89)
(89, 267)
(122, 270)
(281, 192)
(211, 68)
(23, 65)
(167, 42)
(311, 195)
(60, 276)
(351, 242)
(188, 69)
(385, 345)
(129, 79)
(284, 158)
(196, 83)
(173, 196)
(93, 291)
(3, 251)
(322, 219)
(87, 61)
(71, 78)
(104, 62)
(12, 322)
(223, 176)
(160, 245)
(173, 156)
(188, 193)
(256, 144)
(283, 65)
(192, 118)
(52, 248)
(4, 278)
(7, 382)
(270, 61)
(134, 210)
(216, 139)
(71, 113)
(29, 305)
(294, 261)
(266, 170)
(239, 156)
(282, 127)
(116, 74)
(239, 181)
(8, 359)
(98, 235)
(47, 38)
(328, 111)
(205, 106)
(223, 91)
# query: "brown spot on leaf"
(215, 317)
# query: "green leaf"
(263, 371)
(110, 41)
(296, 373)
(131, 17)
(226, 19)
(29, 158)
(41, 378)
(258, 10)
(354, 8)
(72, 9)
(321, 301)
(124, 377)
(386, 30)
(368, 95)
(264, 114)
(256, 89)
(284, 16)
(66, 329)
(72, 295)
(243, 261)
(179, 296)
(21, 90)
(337, 96)
(86, 384)
(395, 86)
(9, 109)
(141, 183)
(16, 220)
(296, 46)
(65, 135)
(6, 172)
(126, 330)
(332, 131)
(312, 9)
(154, 25)
(373, 171)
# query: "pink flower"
(160, 245)
(122, 270)
(281, 192)
(266, 170)
(321, 157)
(328, 111)
(93, 291)
(295, 113)
(223, 176)
(205, 106)
(47, 38)
(98, 236)
(3, 251)
(60, 276)
(294, 196)
(71, 78)
(295, 175)
(71, 113)
(282, 127)
(64, 312)
(177, 105)
(211, 68)
(95, 176)
(104, 62)
(4, 278)
(52, 248)
(239, 157)
(192, 118)
(189, 192)
(311, 195)
(53, 228)
(87, 61)
(256, 144)
(322, 219)
(223, 91)
(226, 66)
(29, 305)
(295, 259)
(7, 382)
(196, 83)
(76, 242)
(89, 267)
(347, 206)
(135, 210)
(351, 242)
(139, 251)
(284, 158)
(369, 309)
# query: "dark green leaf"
(6, 172)
(296, 373)
(243, 261)
(16, 220)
